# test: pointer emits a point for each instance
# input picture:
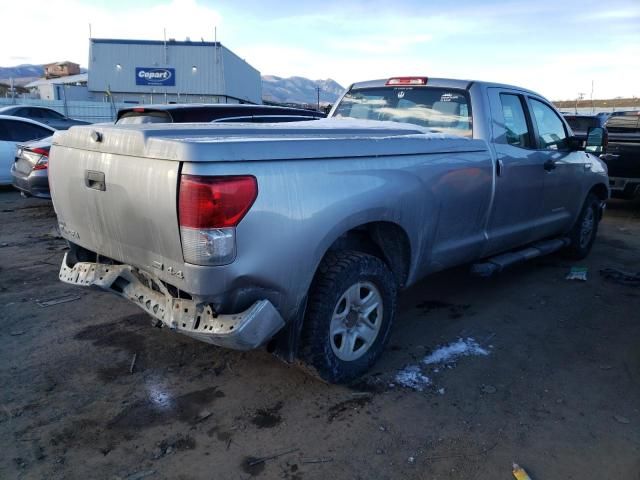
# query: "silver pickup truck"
(298, 236)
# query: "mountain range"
(297, 90)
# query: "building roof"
(80, 78)
(61, 64)
(171, 41)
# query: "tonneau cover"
(326, 138)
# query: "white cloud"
(352, 42)
(64, 27)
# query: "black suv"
(623, 154)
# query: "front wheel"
(584, 232)
(351, 307)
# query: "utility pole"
(318, 91)
(578, 98)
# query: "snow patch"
(412, 377)
(450, 353)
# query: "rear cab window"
(137, 118)
(581, 124)
(443, 110)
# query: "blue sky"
(554, 47)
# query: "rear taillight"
(209, 209)
(43, 161)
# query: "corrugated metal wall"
(201, 68)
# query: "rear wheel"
(351, 306)
(584, 232)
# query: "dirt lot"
(558, 390)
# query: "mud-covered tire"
(339, 274)
(584, 232)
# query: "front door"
(563, 167)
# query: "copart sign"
(163, 77)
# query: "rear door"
(519, 176)
(11, 132)
(7, 153)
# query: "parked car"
(623, 154)
(14, 130)
(298, 236)
(185, 113)
(47, 116)
(30, 171)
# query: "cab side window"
(515, 121)
(551, 132)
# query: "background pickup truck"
(623, 154)
(298, 236)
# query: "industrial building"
(61, 69)
(156, 71)
(148, 71)
(69, 88)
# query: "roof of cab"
(442, 82)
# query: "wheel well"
(385, 240)
(600, 190)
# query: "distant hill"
(21, 74)
(299, 90)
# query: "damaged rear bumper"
(240, 331)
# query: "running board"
(500, 262)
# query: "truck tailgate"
(119, 206)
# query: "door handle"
(549, 165)
(95, 180)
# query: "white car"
(15, 130)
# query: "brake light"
(215, 202)
(43, 161)
(209, 209)
(138, 109)
(407, 81)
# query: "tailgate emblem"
(96, 136)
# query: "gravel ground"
(526, 367)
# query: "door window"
(4, 132)
(48, 114)
(23, 131)
(551, 132)
(35, 113)
(515, 121)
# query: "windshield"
(440, 109)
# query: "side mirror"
(596, 140)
